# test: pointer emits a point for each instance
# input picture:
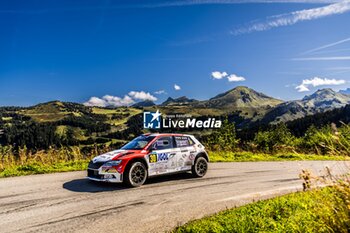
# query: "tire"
(200, 167)
(135, 175)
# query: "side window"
(183, 141)
(163, 143)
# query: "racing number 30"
(153, 158)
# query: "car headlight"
(112, 163)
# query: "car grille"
(96, 165)
(94, 174)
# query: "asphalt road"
(67, 202)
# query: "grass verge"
(224, 156)
(321, 210)
(62, 161)
(39, 168)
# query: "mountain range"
(254, 105)
(183, 100)
(245, 103)
(239, 97)
(346, 91)
(321, 101)
(248, 108)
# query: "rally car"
(150, 155)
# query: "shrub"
(279, 138)
(223, 138)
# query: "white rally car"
(150, 155)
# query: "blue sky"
(122, 52)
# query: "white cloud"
(160, 4)
(160, 92)
(177, 87)
(115, 101)
(302, 88)
(327, 45)
(235, 78)
(218, 74)
(109, 100)
(296, 17)
(141, 95)
(224, 2)
(230, 77)
(95, 101)
(337, 68)
(341, 58)
(316, 81)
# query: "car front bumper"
(104, 176)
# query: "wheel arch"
(138, 159)
(202, 154)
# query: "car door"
(163, 157)
(187, 152)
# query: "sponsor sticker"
(154, 157)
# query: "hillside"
(242, 97)
(60, 123)
(321, 101)
(346, 91)
(63, 123)
(146, 103)
(54, 111)
(179, 101)
(337, 116)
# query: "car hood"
(112, 155)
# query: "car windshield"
(138, 143)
